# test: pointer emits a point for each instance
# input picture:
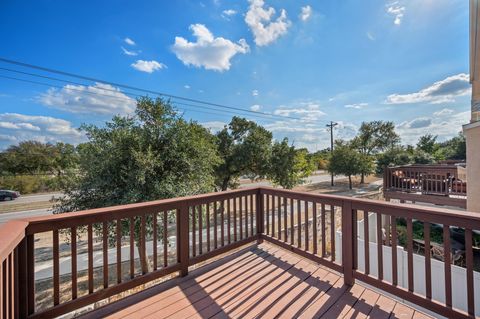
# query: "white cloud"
(356, 105)
(186, 86)
(444, 124)
(306, 13)
(443, 91)
(208, 52)
(443, 112)
(229, 12)
(23, 127)
(255, 107)
(397, 11)
(264, 29)
(307, 111)
(214, 126)
(148, 66)
(255, 93)
(370, 36)
(130, 52)
(129, 41)
(96, 99)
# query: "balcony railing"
(111, 250)
(436, 184)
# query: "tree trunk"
(362, 179)
(225, 184)
(144, 261)
(350, 181)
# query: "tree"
(397, 155)
(374, 137)
(244, 148)
(427, 143)
(455, 148)
(289, 166)
(151, 155)
(346, 160)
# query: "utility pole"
(331, 126)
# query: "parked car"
(8, 195)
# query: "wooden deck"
(261, 281)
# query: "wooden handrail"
(211, 224)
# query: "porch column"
(472, 130)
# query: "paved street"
(24, 199)
(29, 213)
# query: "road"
(28, 213)
(25, 199)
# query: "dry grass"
(341, 185)
(18, 207)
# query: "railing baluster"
(143, 239)
(90, 258)
(267, 212)
(119, 251)
(299, 224)
(215, 226)
(366, 241)
(132, 247)
(393, 222)
(207, 217)
(428, 262)
(285, 221)
(292, 222)
(194, 237)
(234, 219)
(165, 238)
(222, 220)
(74, 261)
(307, 238)
(155, 240)
(410, 254)
(8, 284)
(379, 246)
(252, 214)
(105, 253)
(322, 219)
(273, 216)
(332, 232)
(469, 264)
(228, 222)
(200, 229)
(3, 293)
(314, 227)
(240, 218)
(448, 266)
(56, 269)
(279, 217)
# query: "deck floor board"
(262, 281)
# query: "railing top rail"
(11, 234)
(425, 167)
(434, 214)
(45, 223)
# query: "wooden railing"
(428, 181)
(55, 264)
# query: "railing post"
(183, 241)
(347, 242)
(259, 215)
(21, 293)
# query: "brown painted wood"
(56, 269)
(215, 226)
(428, 262)
(90, 258)
(393, 222)
(366, 241)
(132, 247)
(155, 240)
(379, 246)
(332, 232)
(292, 223)
(299, 224)
(234, 219)
(272, 212)
(323, 229)
(447, 265)
(229, 229)
(165, 239)
(240, 216)
(105, 253)
(410, 254)
(267, 212)
(74, 261)
(285, 219)
(222, 221)
(194, 236)
(314, 227)
(200, 229)
(279, 217)
(252, 213)
(307, 237)
(207, 217)
(119, 249)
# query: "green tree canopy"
(374, 137)
(346, 160)
(244, 148)
(289, 166)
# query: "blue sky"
(348, 61)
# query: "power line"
(87, 78)
(185, 108)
